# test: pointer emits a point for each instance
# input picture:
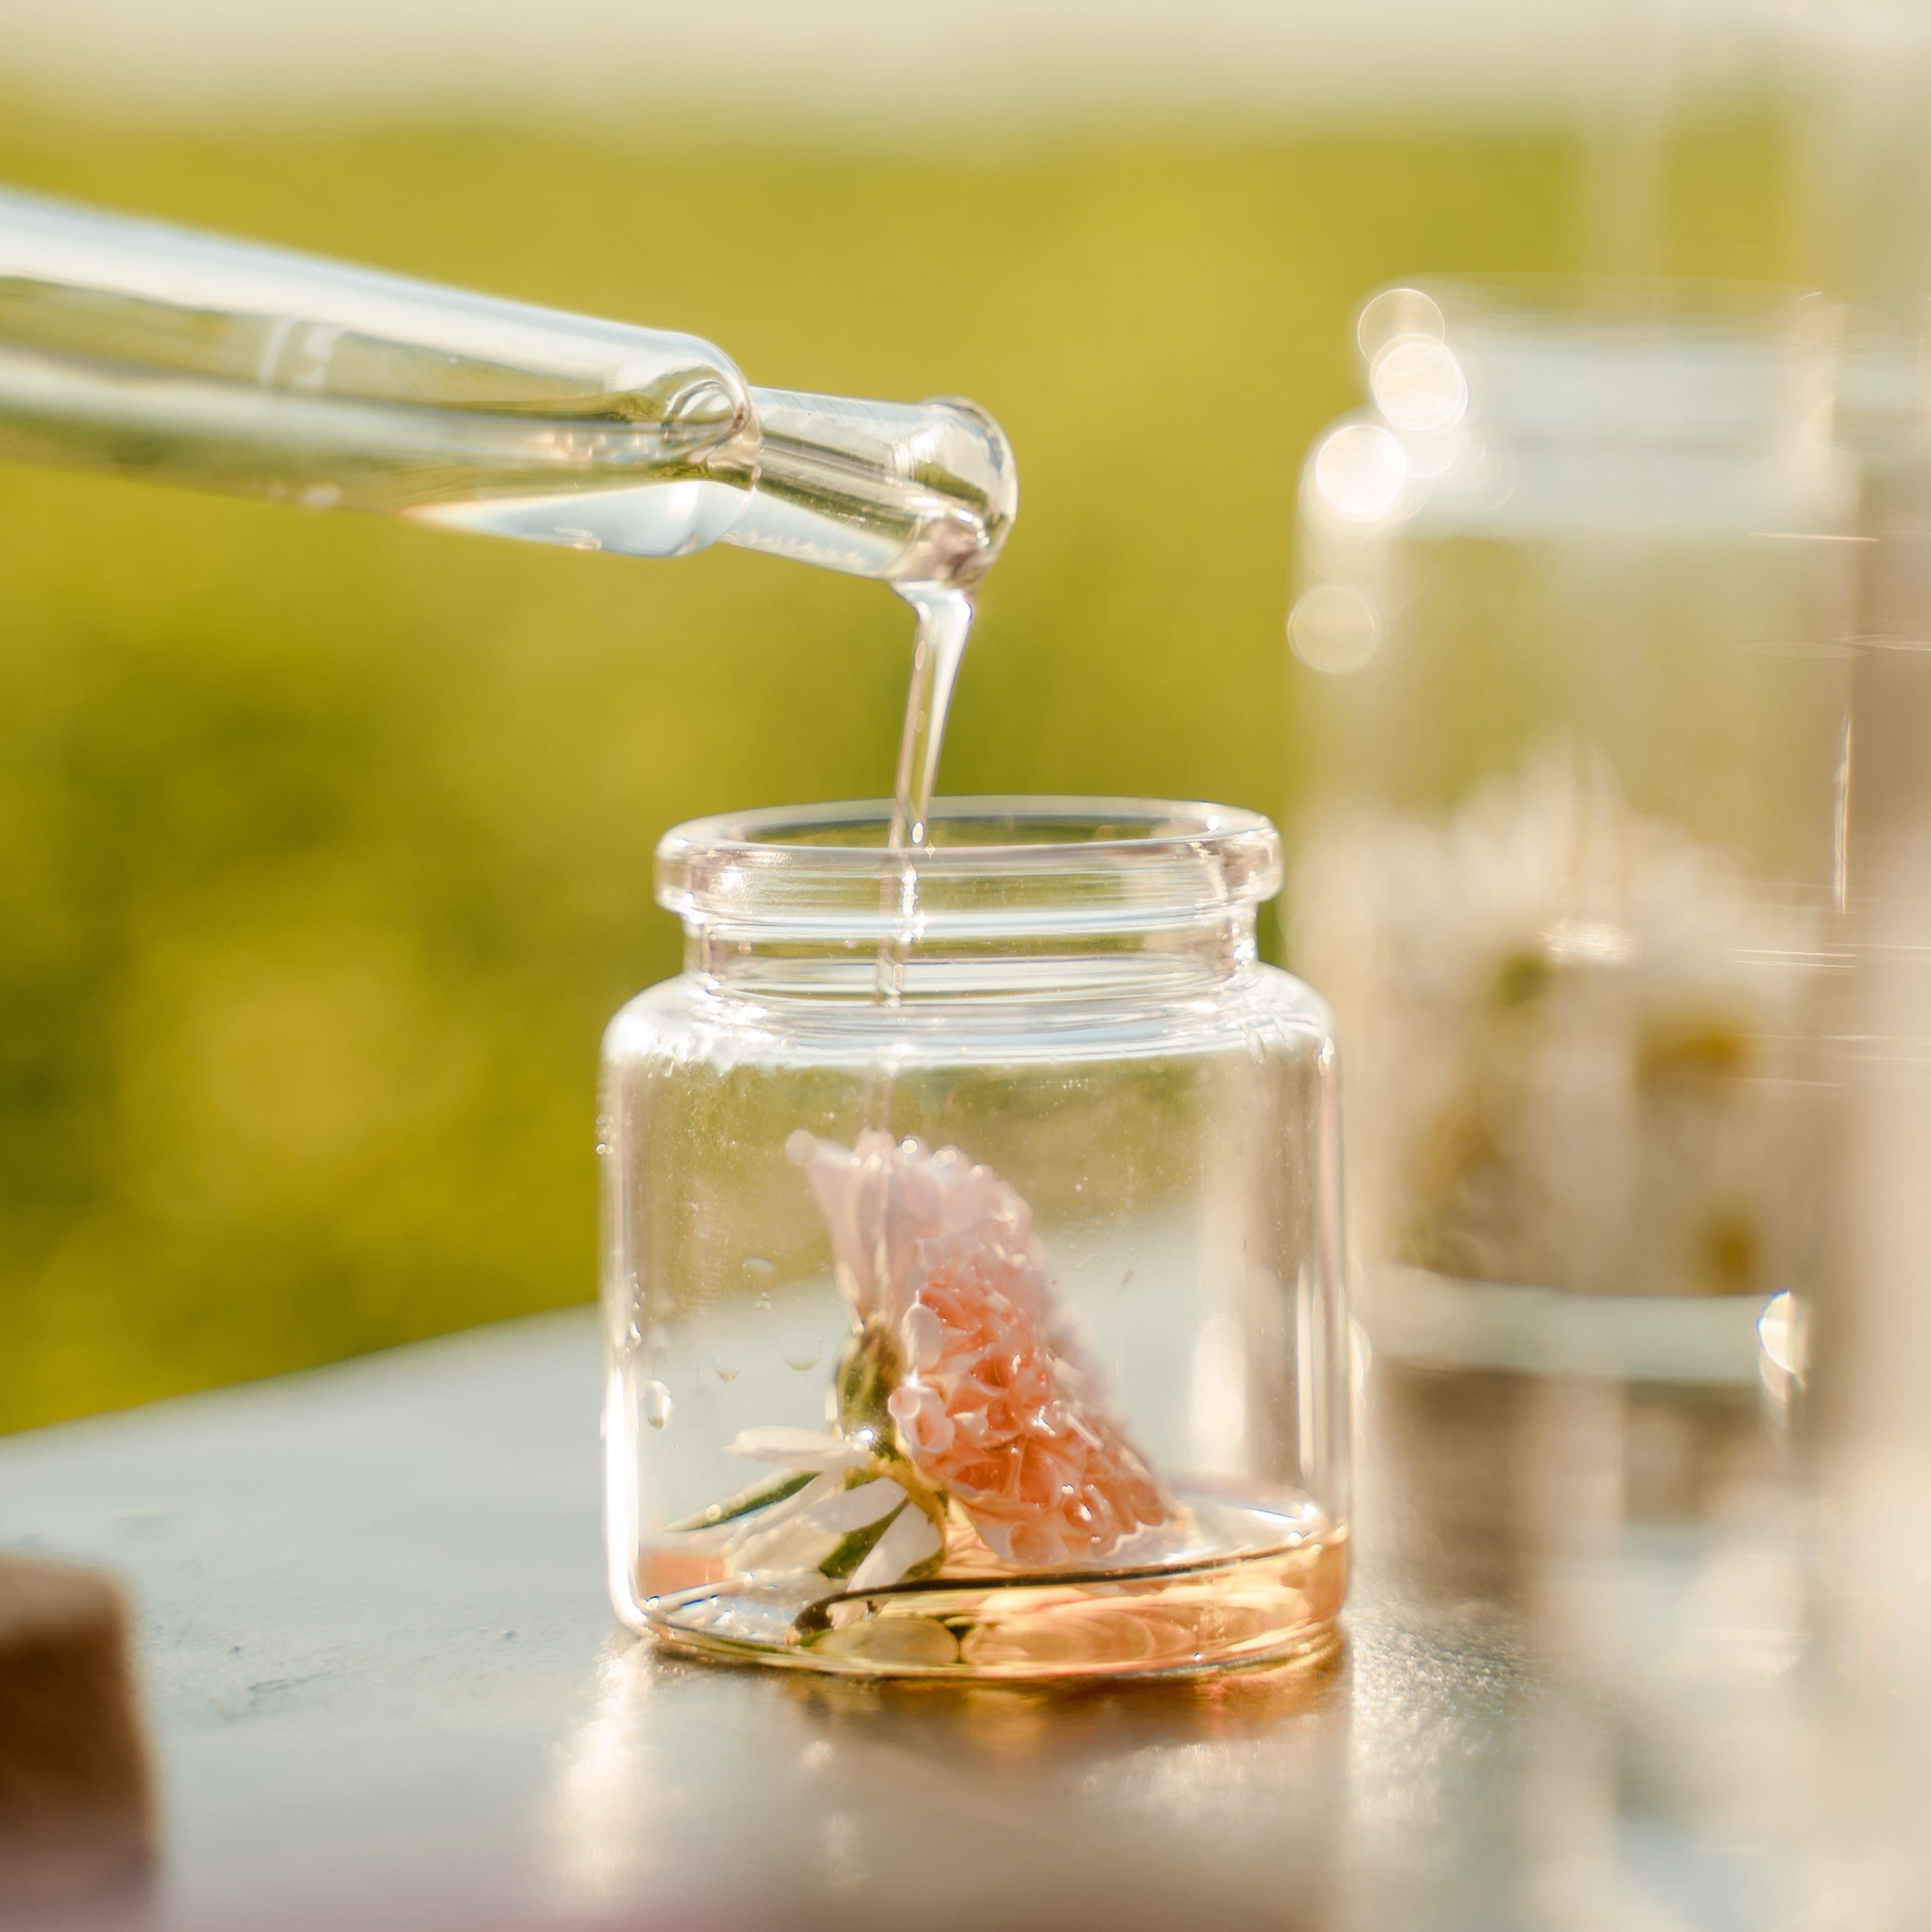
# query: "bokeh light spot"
(1394, 313)
(1419, 385)
(1358, 472)
(1334, 628)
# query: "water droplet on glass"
(727, 1358)
(801, 1350)
(656, 1404)
(758, 1270)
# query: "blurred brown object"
(76, 1813)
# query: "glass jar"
(1571, 624)
(994, 1328)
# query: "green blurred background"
(324, 842)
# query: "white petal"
(760, 1522)
(795, 1545)
(854, 1508)
(799, 1448)
(909, 1538)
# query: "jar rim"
(1618, 302)
(1674, 362)
(1007, 866)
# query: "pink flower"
(994, 1402)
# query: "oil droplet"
(656, 1404)
(727, 1358)
(762, 1304)
(758, 1270)
(802, 1349)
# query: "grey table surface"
(385, 1687)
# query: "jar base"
(1268, 1606)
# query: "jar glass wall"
(1572, 623)
(998, 1331)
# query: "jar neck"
(1148, 964)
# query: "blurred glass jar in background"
(995, 1329)
(1573, 599)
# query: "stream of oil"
(944, 626)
